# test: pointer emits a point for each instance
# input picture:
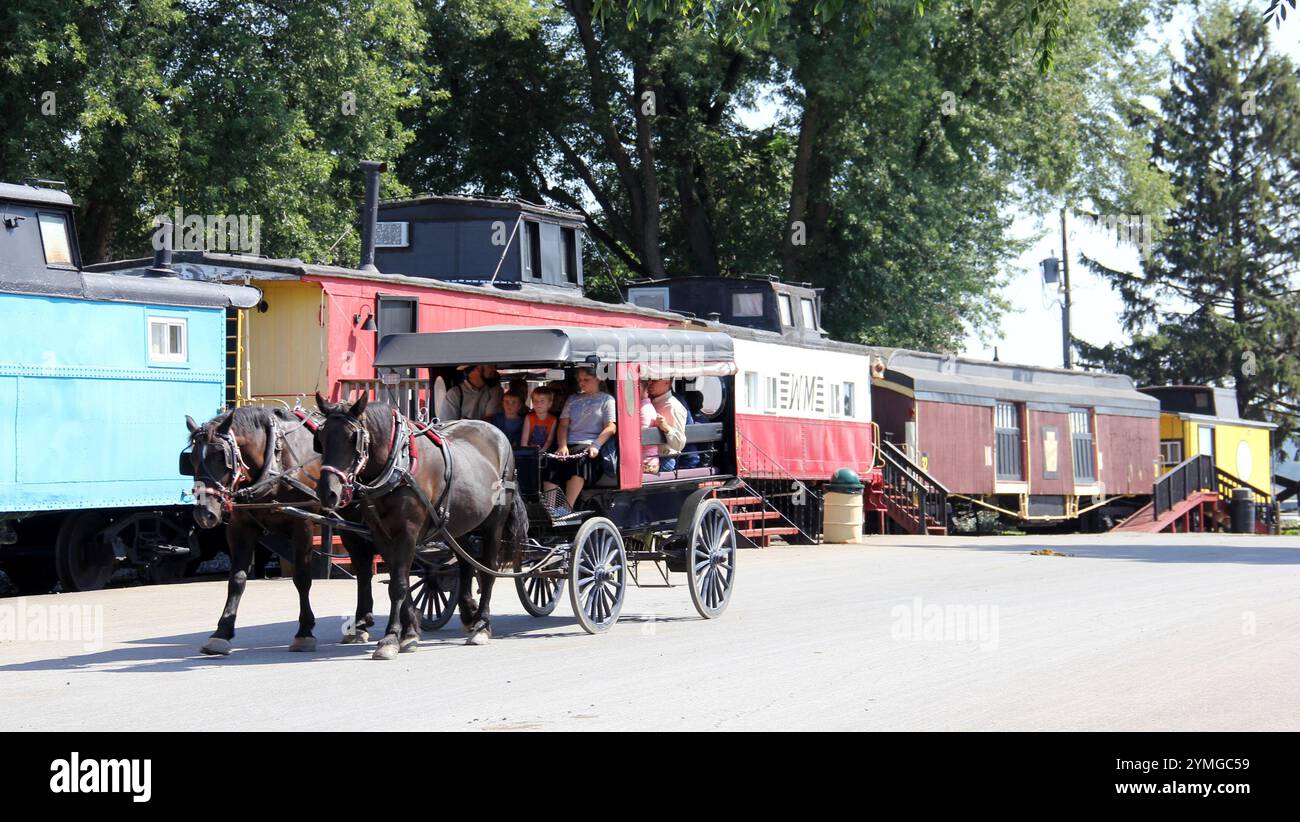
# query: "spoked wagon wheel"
(539, 595)
(435, 592)
(599, 576)
(83, 560)
(711, 558)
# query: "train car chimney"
(162, 255)
(370, 212)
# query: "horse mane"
(250, 419)
(378, 419)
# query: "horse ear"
(223, 427)
(193, 426)
(359, 407)
(322, 403)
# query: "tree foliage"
(212, 106)
(875, 149)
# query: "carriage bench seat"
(705, 432)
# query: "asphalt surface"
(1121, 633)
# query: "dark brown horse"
(413, 484)
(258, 455)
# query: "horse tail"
(515, 532)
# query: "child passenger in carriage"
(540, 425)
(509, 420)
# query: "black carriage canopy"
(661, 352)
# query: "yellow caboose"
(1201, 419)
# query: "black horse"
(414, 484)
(258, 455)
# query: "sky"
(1031, 332)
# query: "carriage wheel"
(83, 560)
(435, 594)
(539, 595)
(711, 556)
(599, 576)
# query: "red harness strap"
(307, 421)
(414, 451)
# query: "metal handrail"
(778, 473)
(1196, 473)
(929, 496)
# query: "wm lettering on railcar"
(801, 392)
(125, 776)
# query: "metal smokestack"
(162, 255)
(370, 212)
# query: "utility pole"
(1065, 303)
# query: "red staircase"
(1195, 495)
(912, 499)
(1190, 514)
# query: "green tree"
(1218, 300)
(213, 106)
(901, 145)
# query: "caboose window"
(1081, 442)
(787, 309)
(809, 316)
(1007, 422)
(747, 304)
(848, 399)
(54, 236)
(533, 262)
(569, 237)
(167, 341)
(753, 399)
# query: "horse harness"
(271, 477)
(399, 470)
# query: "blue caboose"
(97, 373)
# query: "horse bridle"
(265, 485)
(403, 456)
(361, 443)
(233, 461)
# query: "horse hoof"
(303, 643)
(358, 638)
(409, 644)
(216, 646)
(480, 637)
(386, 650)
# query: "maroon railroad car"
(1034, 444)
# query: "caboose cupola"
(762, 303)
(479, 240)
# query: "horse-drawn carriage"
(440, 502)
(624, 518)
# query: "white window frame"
(837, 399)
(47, 218)
(849, 401)
(650, 292)
(787, 309)
(808, 312)
(771, 396)
(183, 355)
(753, 395)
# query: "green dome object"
(845, 481)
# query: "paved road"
(1143, 632)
